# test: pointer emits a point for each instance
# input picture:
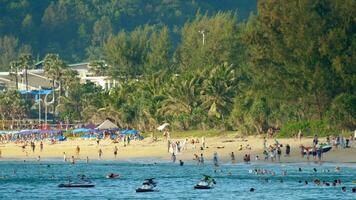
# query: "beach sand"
(146, 150)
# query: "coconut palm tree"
(219, 89)
(26, 62)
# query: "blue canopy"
(129, 132)
(84, 130)
(35, 92)
(28, 131)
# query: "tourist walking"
(64, 157)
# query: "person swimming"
(343, 189)
(353, 190)
(300, 169)
(181, 163)
(305, 182)
(252, 189)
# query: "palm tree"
(53, 67)
(26, 62)
(183, 98)
(219, 89)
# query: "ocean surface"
(39, 180)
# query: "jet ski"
(150, 181)
(206, 183)
(113, 176)
(77, 184)
(148, 185)
(146, 188)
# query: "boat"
(113, 176)
(82, 181)
(83, 184)
(206, 183)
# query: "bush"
(308, 128)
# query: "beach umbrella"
(107, 124)
(160, 128)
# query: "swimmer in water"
(181, 163)
(252, 189)
(343, 189)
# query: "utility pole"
(203, 34)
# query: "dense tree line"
(290, 66)
(76, 29)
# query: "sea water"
(39, 180)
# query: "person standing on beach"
(41, 146)
(0, 153)
(77, 150)
(319, 152)
(115, 151)
(64, 157)
(201, 160)
(100, 153)
(174, 157)
(315, 140)
(233, 161)
(128, 140)
(33, 146)
(279, 153)
(87, 160)
(287, 150)
(215, 159)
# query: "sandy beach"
(147, 150)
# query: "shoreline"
(146, 150)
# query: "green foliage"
(308, 128)
(290, 66)
(342, 112)
(76, 29)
